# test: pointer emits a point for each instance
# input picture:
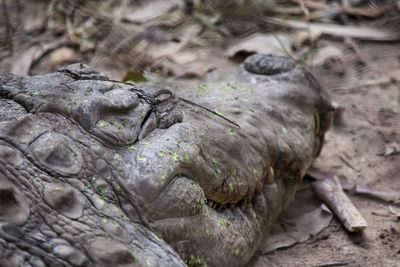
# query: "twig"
(331, 264)
(367, 83)
(310, 4)
(348, 163)
(391, 197)
(330, 192)
(366, 11)
(380, 214)
(364, 32)
(369, 192)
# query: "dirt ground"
(370, 122)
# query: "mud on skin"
(95, 172)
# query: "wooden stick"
(359, 32)
(330, 192)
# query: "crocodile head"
(96, 172)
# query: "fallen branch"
(330, 192)
(331, 264)
(365, 11)
(348, 163)
(391, 197)
(358, 32)
(373, 82)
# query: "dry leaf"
(326, 54)
(395, 211)
(150, 10)
(305, 36)
(63, 54)
(277, 44)
(304, 218)
(391, 149)
(191, 70)
(184, 57)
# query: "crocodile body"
(96, 172)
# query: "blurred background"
(351, 46)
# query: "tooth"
(270, 177)
(211, 204)
(214, 205)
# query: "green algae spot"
(231, 187)
(197, 187)
(177, 143)
(186, 159)
(175, 156)
(197, 207)
(102, 192)
(234, 173)
(254, 172)
(253, 214)
(223, 222)
(118, 188)
(161, 154)
(163, 177)
(225, 86)
(132, 147)
(35, 93)
(119, 124)
(196, 261)
(117, 157)
(231, 132)
(203, 88)
(157, 237)
(102, 123)
(133, 258)
(237, 252)
(284, 130)
(139, 158)
(207, 232)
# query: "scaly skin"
(93, 171)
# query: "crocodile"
(97, 172)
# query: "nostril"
(268, 64)
(7, 196)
